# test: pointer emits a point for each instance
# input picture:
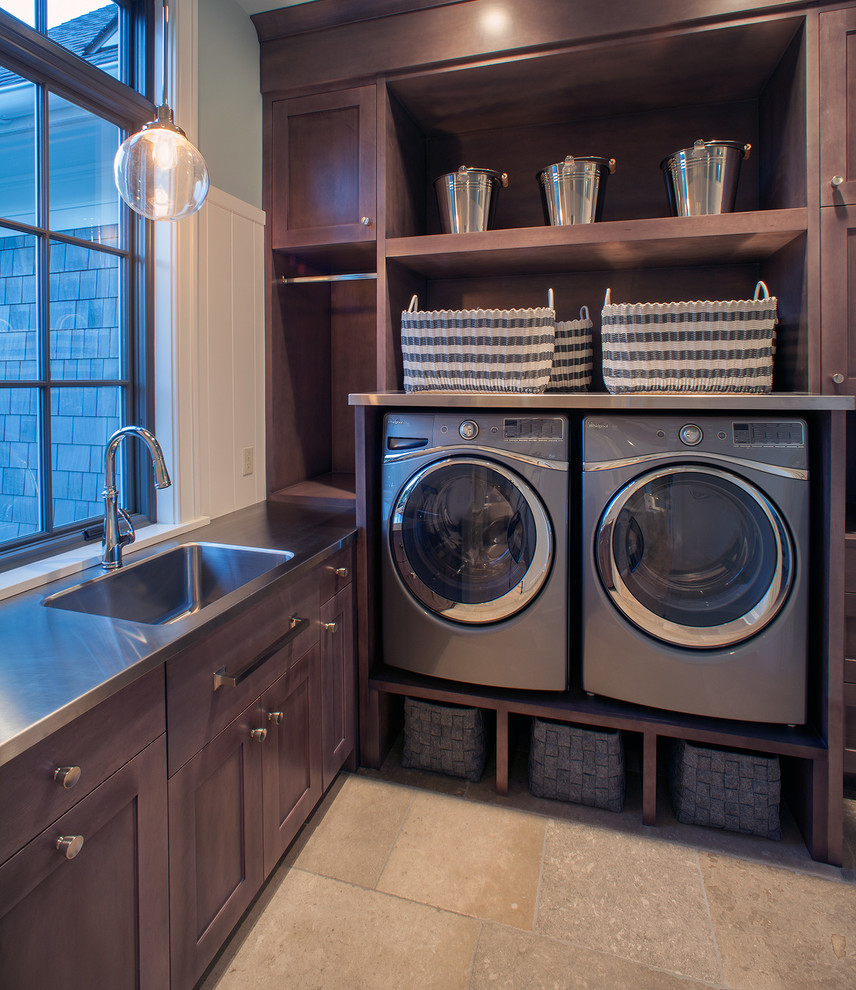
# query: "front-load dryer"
(695, 576)
(474, 552)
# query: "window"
(73, 341)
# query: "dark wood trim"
(467, 31)
(326, 14)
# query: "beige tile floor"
(409, 879)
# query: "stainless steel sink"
(170, 585)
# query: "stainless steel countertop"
(56, 664)
(599, 401)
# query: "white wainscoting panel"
(231, 353)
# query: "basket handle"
(414, 303)
(758, 287)
(550, 301)
(607, 299)
(584, 313)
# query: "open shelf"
(576, 706)
(329, 489)
(732, 238)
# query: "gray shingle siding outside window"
(84, 345)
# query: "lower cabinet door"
(291, 754)
(338, 682)
(84, 904)
(215, 842)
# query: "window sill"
(40, 572)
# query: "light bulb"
(159, 173)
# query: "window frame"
(32, 55)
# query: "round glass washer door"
(471, 540)
(696, 556)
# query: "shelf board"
(326, 489)
(576, 706)
(770, 403)
(730, 238)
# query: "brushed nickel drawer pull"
(67, 777)
(69, 845)
(295, 627)
(330, 627)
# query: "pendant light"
(158, 172)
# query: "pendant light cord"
(165, 52)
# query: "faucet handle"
(130, 535)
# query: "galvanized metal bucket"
(574, 189)
(467, 199)
(703, 179)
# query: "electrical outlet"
(248, 460)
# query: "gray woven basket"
(477, 350)
(443, 738)
(738, 791)
(571, 763)
(572, 357)
(703, 346)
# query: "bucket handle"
(758, 288)
(584, 313)
(414, 303)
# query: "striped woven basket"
(477, 350)
(699, 346)
(572, 358)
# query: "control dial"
(691, 435)
(469, 430)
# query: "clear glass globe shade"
(160, 174)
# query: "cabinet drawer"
(97, 743)
(196, 710)
(337, 572)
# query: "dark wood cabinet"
(215, 843)
(338, 681)
(290, 710)
(838, 286)
(322, 169)
(99, 918)
(838, 107)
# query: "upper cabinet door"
(323, 169)
(838, 107)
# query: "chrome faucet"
(114, 539)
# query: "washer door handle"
(604, 554)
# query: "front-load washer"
(474, 564)
(695, 576)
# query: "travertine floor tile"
(353, 839)
(474, 859)
(510, 960)
(317, 932)
(629, 896)
(780, 930)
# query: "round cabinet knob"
(67, 777)
(366, 221)
(259, 735)
(340, 572)
(69, 845)
(838, 378)
(330, 627)
(275, 717)
(836, 181)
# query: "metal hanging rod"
(285, 280)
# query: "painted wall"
(230, 104)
